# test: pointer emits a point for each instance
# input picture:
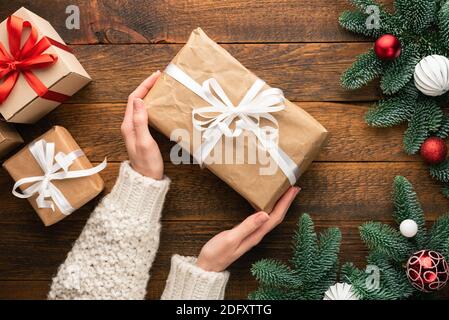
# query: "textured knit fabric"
(188, 280)
(113, 255)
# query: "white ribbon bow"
(54, 168)
(257, 104)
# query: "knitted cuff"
(187, 281)
(136, 193)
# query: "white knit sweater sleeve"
(113, 255)
(187, 281)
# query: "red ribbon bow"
(21, 60)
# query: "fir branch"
(427, 118)
(443, 131)
(328, 248)
(314, 268)
(393, 278)
(440, 171)
(355, 21)
(407, 206)
(393, 110)
(445, 191)
(274, 273)
(358, 279)
(384, 239)
(364, 4)
(439, 236)
(443, 23)
(417, 15)
(400, 71)
(305, 248)
(365, 68)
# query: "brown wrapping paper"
(9, 138)
(78, 191)
(170, 107)
(66, 76)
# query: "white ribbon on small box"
(54, 168)
(257, 104)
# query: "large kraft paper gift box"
(77, 191)
(170, 105)
(46, 70)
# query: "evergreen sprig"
(389, 250)
(422, 26)
(313, 268)
(314, 264)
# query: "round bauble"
(340, 291)
(432, 75)
(433, 150)
(408, 228)
(427, 271)
(387, 47)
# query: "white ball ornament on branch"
(432, 75)
(408, 228)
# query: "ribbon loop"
(51, 165)
(23, 59)
(214, 121)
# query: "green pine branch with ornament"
(410, 261)
(410, 58)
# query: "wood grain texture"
(171, 21)
(305, 72)
(176, 237)
(334, 192)
(295, 45)
(96, 127)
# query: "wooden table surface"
(295, 45)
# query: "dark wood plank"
(141, 21)
(97, 130)
(306, 72)
(331, 191)
(43, 250)
(186, 238)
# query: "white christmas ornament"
(340, 291)
(408, 228)
(432, 75)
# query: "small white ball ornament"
(432, 75)
(408, 228)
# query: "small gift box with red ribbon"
(38, 71)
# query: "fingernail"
(297, 189)
(138, 104)
(262, 218)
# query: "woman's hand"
(226, 247)
(143, 151)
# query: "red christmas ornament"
(427, 271)
(387, 47)
(433, 150)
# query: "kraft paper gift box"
(9, 138)
(170, 106)
(46, 71)
(77, 191)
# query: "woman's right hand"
(228, 246)
(143, 151)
